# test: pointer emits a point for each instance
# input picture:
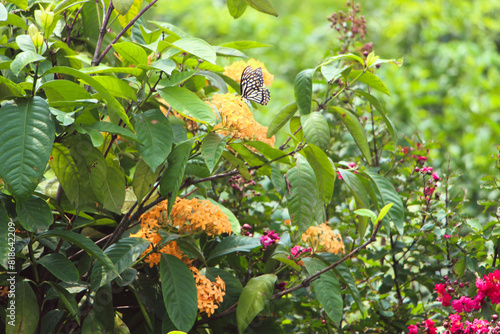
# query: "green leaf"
(135, 71)
(384, 211)
(254, 297)
(171, 180)
(323, 169)
(303, 197)
(165, 65)
(269, 152)
(281, 118)
(251, 158)
(197, 47)
(371, 80)
(332, 73)
(263, 6)
(34, 214)
(177, 78)
(9, 231)
(277, 178)
(123, 254)
(234, 243)
(156, 135)
(303, 90)
(215, 80)
(27, 133)
(381, 111)
(22, 59)
(50, 321)
(326, 289)
(3, 13)
(83, 242)
(143, 181)
(356, 130)
(113, 106)
(91, 325)
(236, 7)
(188, 104)
(64, 90)
(288, 262)
(23, 4)
(342, 56)
(211, 149)
(131, 53)
(123, 6)
(67, 300)
(60, 267)
(27, 313)
(117, 87)
(103, 126)
(316, 130)
(367, 213)
(66, 171)
(9, 89)
(389, 195)
(359, 193)
(179, 292)
(243, 45)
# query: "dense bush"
(145, 196)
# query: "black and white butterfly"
(252, 86)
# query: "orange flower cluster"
(235, 69)
(237, 119)
(209, 293)
(321, 238)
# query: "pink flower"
(429, 324)
(435, 177)
(465, 304)
(422, 158)
(426, 170)
(447, 236)
(266, 241)
(477, 327)
(428, 191)
(412, 329)
(340, 176)
(456, 325)
(296, 250)
(443, 296)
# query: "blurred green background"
(447, 91)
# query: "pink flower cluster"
(351, 165)
(297, 250)
(269, 238)
(488, 287)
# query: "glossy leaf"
(251, 158)
(171, 180)
(381, 111)
(234, 243)
(4, 237)
(272, 154)
(34, 215)
(359, 193)
(131, 53)
(326, 289)
(64, 167)
(332, 73)
(371, 80)
(303, 197)
(123, 254)
(117, 87)
(316, 130)
(244, 45)
(50, 321)
(67, 300)
(27, 133)
(115, 129)
(84, 243)
(122, 6)
(27, 313)
(188, 104)
(303, 91)
(254, 297)
(179, 292)
(389, 195)
(22, 59)
(60, 267)
(197, 47)
(356, 130)
(263, 6)
(155, 134)
(143, 181)
(323, 169)
(211, 149)
(281, 118)
(130, 13)
(64, 90)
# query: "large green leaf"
(316, 130)
(359, 193)
(9, 89)
(34, 215)
(22, 59)
(269, 152)
(389, 195)
(303, 91)
(197, 47)
(143, 180)
(326, 289)
(234, 243)
(381, 111)
(171, 180)
(236, 7)
(281, 118)
(123, 6)
(263, 6)
(9, 231)
(60, 267)
(91, 325)
(188, 104)
(122, 254)
(304, 196)
(356, 130)
(251, 158)
(179, 292)
(64, 90)
(67, 300)
(113, 106)
(26, 312)
(113, 128)
(243, 45)
(254, 297)
(27, 133)
(117, 87)
(156, 135)
(66, 171)
(50, 321)
(211, 149)
(84, 243)
(131, 53)
(323, 169)
(371, 80)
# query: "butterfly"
(252, 86)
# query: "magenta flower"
(266, 241)
(296, 250)
(412, 329)
(435, 177)
(455, 322)
(465, 304)
(422, 158)
(447, 236)
(429, 325)
(443, 296)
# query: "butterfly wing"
(252, 86)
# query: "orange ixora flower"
(237, 119)
(235, 70)
(188, 215)
(4, 292)
(321, 238)
(209, 293)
